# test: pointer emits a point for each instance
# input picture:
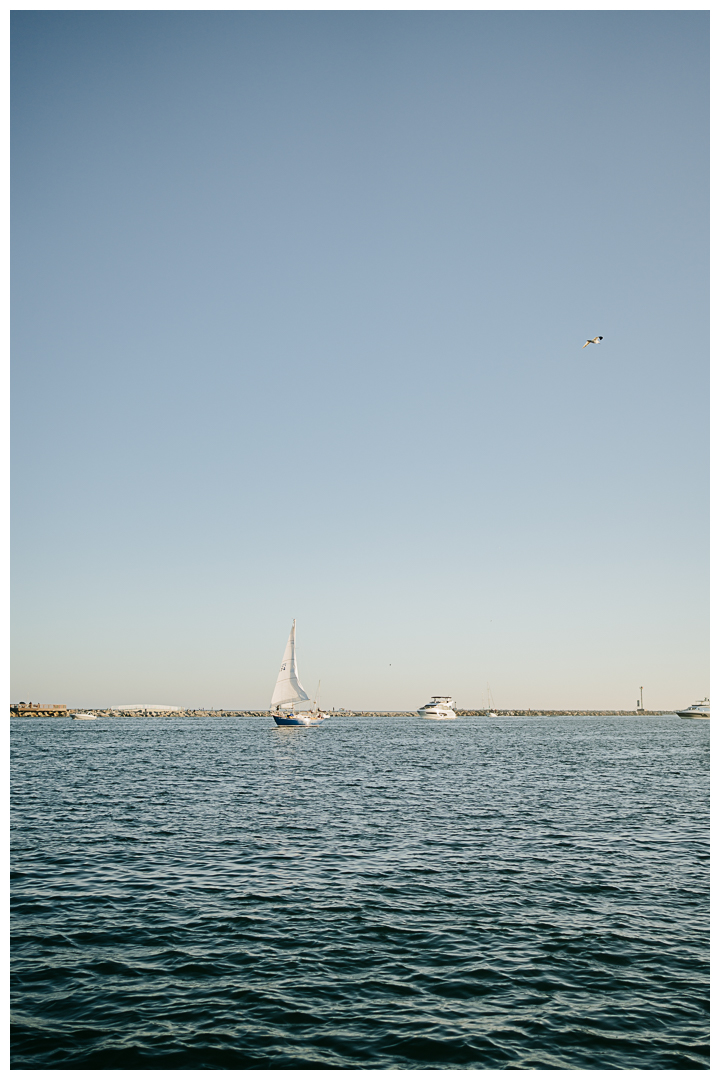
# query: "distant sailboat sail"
(288, 688)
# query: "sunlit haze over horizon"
(299, 301)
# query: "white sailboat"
(289, 692)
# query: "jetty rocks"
(29, 710)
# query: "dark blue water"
(375, 893)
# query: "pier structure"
(28, 708)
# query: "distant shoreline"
(346, 713)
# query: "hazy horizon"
(298, 308)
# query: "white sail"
(288, 687)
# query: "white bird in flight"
(593, 341)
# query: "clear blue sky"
(298, 308)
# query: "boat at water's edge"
(700, 709)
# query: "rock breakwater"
(339, 714)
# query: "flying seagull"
(593, 341)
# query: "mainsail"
(288, 688)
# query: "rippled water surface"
(374, 893)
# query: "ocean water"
(375, 893)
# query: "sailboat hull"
(298, 721)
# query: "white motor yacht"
(699, 709)
(441, 708)
(84, 716)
